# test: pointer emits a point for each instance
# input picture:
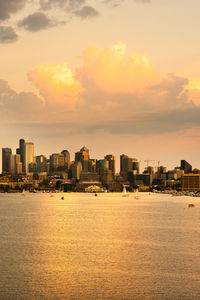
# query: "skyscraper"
(102, 165)
(6, 153)
(56, 161)
(76, 170)
(14, 161)
(112, 162)
(136, 166)
(126, 165)
(83, 157)
(66, 156)
(28, 154)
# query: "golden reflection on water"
(105, 247)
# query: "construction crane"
(148, 160)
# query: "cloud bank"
(15, 107)
(36, 22)
(47, 14)
(7, 35)
(9, 7)
(110, 92)
(87, 12)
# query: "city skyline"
(108, 74)
(25, 154)
(152, 161)
(59, 171)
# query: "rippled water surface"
(105, 247)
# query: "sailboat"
(136, 194)
(124, 193)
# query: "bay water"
(104, 247)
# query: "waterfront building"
(186, 167)
(175, 174)
(6, 153)
(161, 173)
(196, 171)
(139, 179)
(89, 176)
(190, 182)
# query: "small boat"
(191, 205)
(124, 193)
(136, 195)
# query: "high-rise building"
(66, 156)
(126, 165)
(6, 153)
(112, 162)
(102, 165)
(83, 157)
(92, 165)
(20, 151)
(14, 160)
(56, 161)
(107, 178)
(12, 164)
(32, 167)
(28, 154)
(41, 162)
(76, 170)
(136, 166)
(186, 167)
(19, 168)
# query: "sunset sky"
(116, 76)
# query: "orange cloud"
(57, 84)
(108, 82)
(113, 71)
(193, 89)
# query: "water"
(105, 247)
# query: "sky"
(118, 76)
